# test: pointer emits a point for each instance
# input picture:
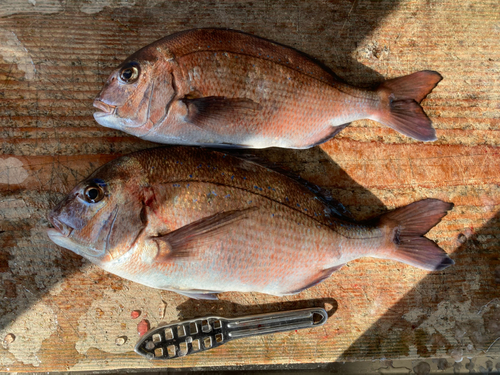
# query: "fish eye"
(130, 73)
(93, 194)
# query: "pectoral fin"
(180, 242)
(213, 112)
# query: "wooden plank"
(66, 315)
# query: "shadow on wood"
(192, 308)
(464, 299)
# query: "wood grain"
(66, 315)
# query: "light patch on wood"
(10, 7)
(13, 51)
(31, 329)
(5, 361)
(11, 170)
(101, 329)
(103, 364)
(465, 322)
(57, 288)
(96, 6)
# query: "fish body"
(215, 87)
(201, 222)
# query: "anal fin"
(332, 132)
(316, 279)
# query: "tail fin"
(402, 97)
(409, 224)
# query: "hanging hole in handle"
(319, 318)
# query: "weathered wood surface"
(66, 314)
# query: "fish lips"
(105, 109)
(107, 116)
(62, 228)
(60, 235)
(61, 232)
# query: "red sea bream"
(217, 87)
(201, 222)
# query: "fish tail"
(406, 227)
(400, 99)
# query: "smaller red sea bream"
(201, 222)
(224, 88)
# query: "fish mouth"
(63, 229)
(105, 109)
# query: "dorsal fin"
(324, 195)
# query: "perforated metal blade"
(197, 335)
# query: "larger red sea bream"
(201, 222)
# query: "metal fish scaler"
(201, 222)
(215, 87)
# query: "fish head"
(103, 216)
(137, 94)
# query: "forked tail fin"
(401, 99)
(407, 226)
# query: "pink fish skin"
(215, 87)
(201, 222)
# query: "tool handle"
(275, 322)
